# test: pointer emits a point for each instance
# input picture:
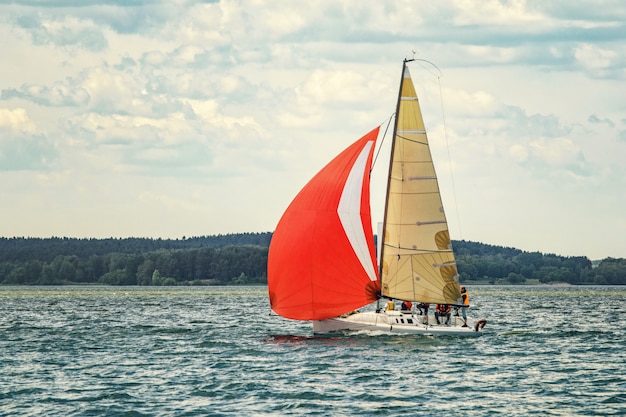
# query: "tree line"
(237, 259)
(482, 262)
(205, 260)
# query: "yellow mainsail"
(417, 262)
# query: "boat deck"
(398, 322)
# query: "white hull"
(395, 322)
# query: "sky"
(180, 118)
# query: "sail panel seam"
(417, 251)
(430, 222)
(416, 132)
(422, 178)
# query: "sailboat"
(323, 263)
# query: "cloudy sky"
(177, 118)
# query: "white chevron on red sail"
(349, 211)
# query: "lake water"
(216, 351)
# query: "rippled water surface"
(217, 352)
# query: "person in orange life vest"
(406, 306)
(465, 297)
(442, 310)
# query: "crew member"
(442, 310)
(465, 297)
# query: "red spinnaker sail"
(322, 260)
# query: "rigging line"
(419, 60)
(445, 133)
(380, 147)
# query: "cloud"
(22, 146)
(16, 121)
(496, 13)
(560, 155)
(63, 31)
(337, 88)
(597, 61)
(58, 95)
(596, 120)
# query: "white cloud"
(519, 153)
(16, 121)
(593, 58)
(324, 87)
(516, 12)
(561, 151)
(23, 147)
(59, 94)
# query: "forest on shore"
(241, 259)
